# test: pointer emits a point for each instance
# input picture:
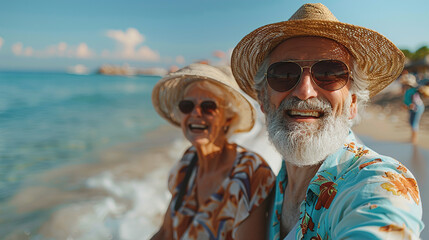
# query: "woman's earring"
(225, 129)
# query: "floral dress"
(247, 186)
(356, 194)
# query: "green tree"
(421, 52)
(407, 53)
(418, 54)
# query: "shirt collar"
(334, 164)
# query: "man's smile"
(304, 114)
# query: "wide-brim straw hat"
(379, 58)
(169, 90)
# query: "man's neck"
(298, 180)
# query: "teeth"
(198, 126)
(305, 114)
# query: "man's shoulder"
(372, 170)
(366, 163)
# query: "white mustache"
(312, 104)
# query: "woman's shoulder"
(246, 156)
(251, 163)
(253, 177)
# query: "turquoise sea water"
(52, 119)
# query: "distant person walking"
(413, 102)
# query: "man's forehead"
(310, 48)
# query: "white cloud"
(28, 51)
(62, 46)
(180, 60)
(82, 51)
(61, 49)
(128, 42)
(145, 53)
(17, 48)
(1, 42)
(224, 57)
(219, 54)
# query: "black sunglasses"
(207, 107)
(330, 75)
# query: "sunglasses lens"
(283, 76)
(330, 75)
(186, 106)
(208, 107)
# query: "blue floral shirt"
(356, 194)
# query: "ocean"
(87, 157)
(52, 121)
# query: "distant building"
(126, 70)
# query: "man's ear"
(353, 107)
(262, 107)
(261, 104)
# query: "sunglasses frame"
(311, 73)
(203, 109)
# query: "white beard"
(306, 144)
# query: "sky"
(54, 35)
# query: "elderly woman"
(218, 188)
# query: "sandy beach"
(386, 119)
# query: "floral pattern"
(378, 160)
(307, 223)
(248, 184)
(370, 186)
(400, 185)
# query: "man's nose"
(306, 86)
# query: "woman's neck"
(212, 157)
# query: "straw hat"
(378, 57)
(424, 90)
(169, 90)
(408, 80)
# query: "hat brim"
(380, 60)
(167, 92)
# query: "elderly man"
(312, 75)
